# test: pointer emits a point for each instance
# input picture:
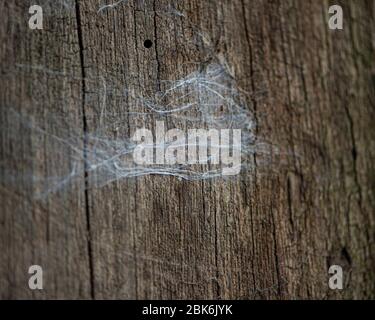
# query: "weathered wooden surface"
(271, 233)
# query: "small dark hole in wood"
(148, 44)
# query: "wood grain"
(271, 233)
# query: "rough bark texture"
(271, 233)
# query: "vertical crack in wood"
(136, 182)
(254, 101)
(353, 36)
(156, 46)
(218, 289)
(85, 143)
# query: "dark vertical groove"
(290, 204)
(218, 289)
(89, 245)
(136, 182)
(156, 46)
(247, 32)
(275, 252)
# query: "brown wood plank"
(37, 227)
(306, 202)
